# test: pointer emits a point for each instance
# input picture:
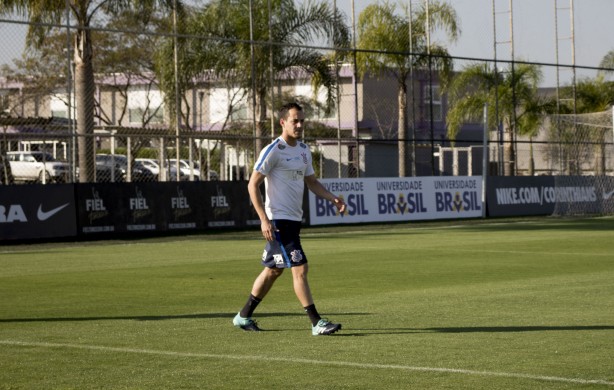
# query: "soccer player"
(285, 166)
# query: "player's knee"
(300, 271)
(274, 272)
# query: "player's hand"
(340, 204)
(268, 230)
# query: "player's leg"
(319, 326)
(273, 262)
(262, 285)
(301, 284)
(264, 281)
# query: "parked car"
(198, 172)
(212, 175)
(5, 171)
(140, 173)
(184, 168)
(115, 168)
(150, 164)
(154, 167)
(39, 167)
(108, 170)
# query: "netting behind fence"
(192, 99)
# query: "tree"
(511, 92)
(607, 62)
(384, 44)
(129, 60)
(44, 14)
(592, 96)
(126, 68)
(250, 58)
(41, 73)
(121, 63)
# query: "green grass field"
(499, 304)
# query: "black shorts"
(285, 251)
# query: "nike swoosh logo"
(45, 215)
(608, 195)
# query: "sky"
(535, 36)
(534, 32)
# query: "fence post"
(484, 159)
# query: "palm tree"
(384, 44)
(276, 43)
(607, 62)
(514, 94)
(44, 14)
(593, 95)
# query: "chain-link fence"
(190, 92)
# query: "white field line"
(309, 361)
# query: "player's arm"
(317, 188)
(255, 196)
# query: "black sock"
(250, 306)
(313, 314)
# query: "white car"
(198, 174)
(38, 167)
(154, 167)
(150, 164)
(186, 171)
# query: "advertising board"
(399, 199)
(37, 211)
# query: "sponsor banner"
(583, 194)
(225, 204)
(141, 204)
(539, 195)
(517, 196)
(139, 207)
(399, 199)
(114, 208)
(37, 211)
(100, 207)
(181, 205)
(142, 207)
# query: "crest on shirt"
(304, 157)
(281, 147)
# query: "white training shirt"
(285, 168)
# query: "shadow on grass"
(504, 329)
(489, 225)
(544, 223)
(160, 317)
(480, 329)
(346, 332)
